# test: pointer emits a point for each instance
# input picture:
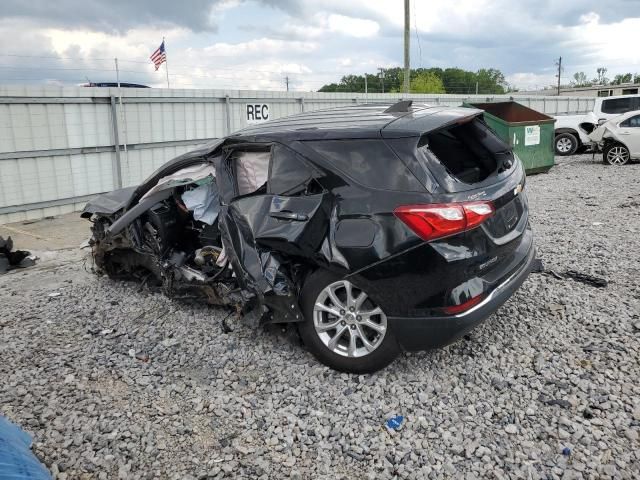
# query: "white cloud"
(531, 81)
(318, 41)
(353, 27)
(260, 46)
(614, 45)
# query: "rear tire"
(566, 144)
(615, 154)
(362, 340)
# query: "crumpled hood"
(108, 203)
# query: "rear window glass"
(617, 105)
(470, 152)
(369, 162)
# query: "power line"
(415, 25)
(407, 59)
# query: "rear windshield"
(370, 162)
(470, 152)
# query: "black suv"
(374, 228)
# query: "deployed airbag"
(251, 170)
(200, 174)
(204, 202)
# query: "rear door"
(286, 217)
(629, 131)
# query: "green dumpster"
(529, 132)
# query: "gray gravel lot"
(115, 382)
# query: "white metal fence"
(59, 146)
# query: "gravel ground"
(115, 382)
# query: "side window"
(370, 162)
(617, 105)
(633, 122)
(289, 173)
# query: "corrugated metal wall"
(57, 144)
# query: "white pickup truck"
(572, 131)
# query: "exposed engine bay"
(175, 242)
(167, 246)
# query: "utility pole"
(381, 76)
(286, 81)
(407, 27)
(559, 64)
(366, 91)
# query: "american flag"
(159, 56)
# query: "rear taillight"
(464, 306)
(441, 220)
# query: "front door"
(267, 229)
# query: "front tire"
(566, 144)
(615, 154)
(343, 328)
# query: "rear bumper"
(434, 332)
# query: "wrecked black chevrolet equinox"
(373, 228)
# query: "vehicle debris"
(11, 259)
(586, 279)
(395, 423)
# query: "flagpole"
(166, 61)
(122, 114)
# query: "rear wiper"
(505, 164)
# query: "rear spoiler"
(427, 120)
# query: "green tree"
(426, 82)
(491, 80)
(622, 78)
(580, 80)
(454, 80)
(601, 79)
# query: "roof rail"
(401, 106)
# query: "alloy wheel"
(617, 155)
(347, 321)
(564, 145)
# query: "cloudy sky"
(247, 44)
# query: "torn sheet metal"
(200, 174)
(204, 202)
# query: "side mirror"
(602, 121)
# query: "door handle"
(287, 215)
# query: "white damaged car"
(619, 138)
